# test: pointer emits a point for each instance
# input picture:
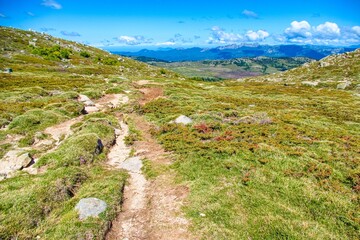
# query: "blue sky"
(153, 23)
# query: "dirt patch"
(61, 131)
(150, 94)
(144, 82)
(148, 147)
(112, 100)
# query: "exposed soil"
(150, 94)
(151, 208)
(62, 131)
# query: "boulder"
(15, 160)
(86, 100)
(183, 119)
(309, 83)
(343, 85)
(90, 109)
(90, 207)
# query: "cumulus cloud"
(325, 33)
(298, 30)
(356, 30)
(249, 14)
(218, 35)
(260, 35)
(51, 4)
(133, 40)
(70, 34)
(328, 30)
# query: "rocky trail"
(151, 208)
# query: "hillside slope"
(331, 70)
(60, 116)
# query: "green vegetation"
(264, 161)
(212, 70)
(330, 70)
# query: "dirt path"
(151, 209)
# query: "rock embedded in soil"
(15, 160)
(183, 119)
(90, 207)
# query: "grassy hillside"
(331, 70)
(48, 74)
(230, 69)
(261, 159)
(264, 160)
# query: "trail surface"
(151, 208)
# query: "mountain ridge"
(237, 51)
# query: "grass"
(43, 205)
(41, 92)
(264, 161)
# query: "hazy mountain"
(237, 51)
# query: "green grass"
(264, 161)
(44, 205)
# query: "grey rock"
(90, 207)
(15, 160)
(183, 119)
(309, 83)
(343, 85)
(86, 100)
(90, 109)
(133, 164)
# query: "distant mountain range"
(237, 51)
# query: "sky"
(137, 24)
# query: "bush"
(84, 54)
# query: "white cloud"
(30, 14)
(257, 36)
(298, 30)
(323, 34)
(52, 4)
(220, 36)
(133, 40)
(165, 44)
(356, 30)
(249, 14)
(2, 15)
(328, 30)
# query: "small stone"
(183, 119)
(309, 83)
(90, 207)
(202, 215)
(343, 85)
(117, 132)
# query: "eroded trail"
(131, 222)
(151, 208)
